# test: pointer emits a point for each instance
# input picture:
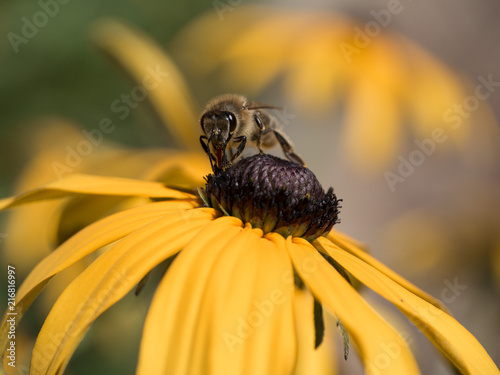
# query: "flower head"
(275, 195)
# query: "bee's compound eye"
(206, 121)
(202, 121)
(232, 121)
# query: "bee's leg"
(205, 147)
(243, 141)
(225, 161)
(261, 132)
(288, 149)
(230, 153)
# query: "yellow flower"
(376, 80)
(233, 298)
(226, 304)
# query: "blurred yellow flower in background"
(386, 87)
(458, 237)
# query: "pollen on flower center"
(275, 195)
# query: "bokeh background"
(440, 227)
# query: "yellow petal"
(171, 322)
(26, 251)
(180, 169)
(67, 216)
(151, 165)
(262, 50)
(151, 68)
(372, 131)
(81, 211)
(435, 90)
(340, 237)
(175, 169)
(316, 74)
(383, 67)
(248, 310)
(201, 57)
(95, 236)
(90, 239)
(345, 243)
(86, 184)
(106, 281)
(322, 360)
(454, 341)
(382, 349)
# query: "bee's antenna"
(264, 106)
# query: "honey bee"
(231, 123)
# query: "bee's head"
(219, 127)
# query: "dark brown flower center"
(275, 195)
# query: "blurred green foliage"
(59, 72)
